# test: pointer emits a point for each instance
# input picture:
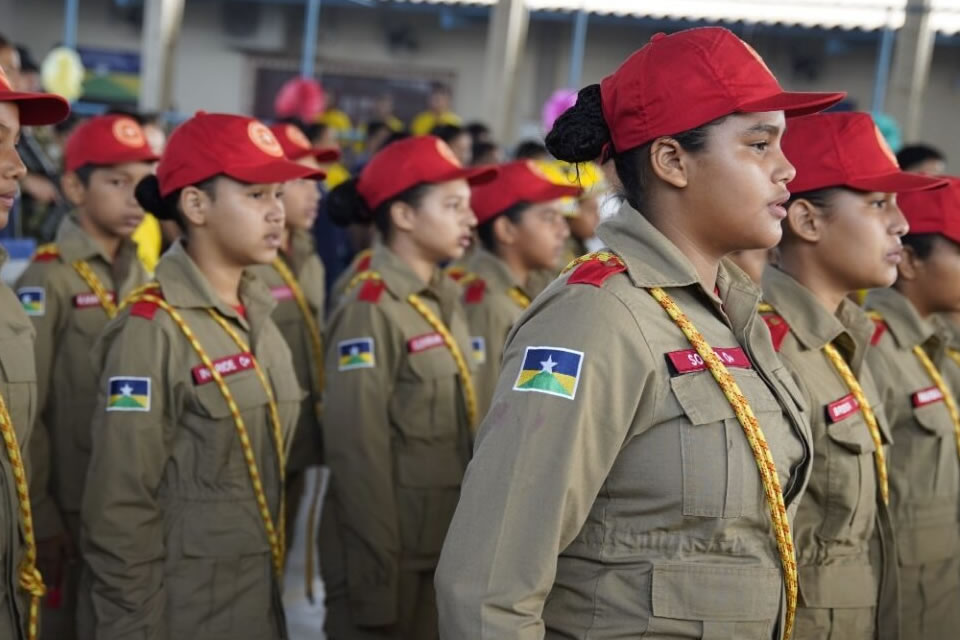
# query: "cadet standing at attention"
(646, 448)
(521, 230)
(842, 234)
(71, 291)
(21, 586)
(924, 465)
(400, 404)
(183, 520)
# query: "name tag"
(224, 366)
(87, 300)
(926, 396)
(689, 361)
(842, 409)
(424, 342)
(281, 293)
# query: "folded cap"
(520, 181)
(210, 144)
(35, 108)
(107, 140)
(687, 79)
(846, 150)
(934, 210)
(297, 145)
(407, 163)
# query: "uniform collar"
(300, 249)
(74, 244)
(901, 317)
(950, 329)
(400, 279)
(813, 324)
(492, 269)
(184, 286)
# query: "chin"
(265, 257)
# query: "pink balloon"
(300, 97)
(556, 104)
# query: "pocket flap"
(433, 362)
(920, 545)
(223, 530)
(17, 359)
(703, 401)
(934, 418)
(838, 586)
(852, 434)
(715, 592)
(245, 388)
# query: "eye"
(256, 195)
(878, 203)
(760, 146)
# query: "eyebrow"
(772, 129)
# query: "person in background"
(383, 112)
(922, 158)
(71, 290)
(532, 150)
(479, 131)
(21, 585)
(485, 153)
(458, 139)
(753, 262)
(439, 111)
(29, 70)
(336, 118)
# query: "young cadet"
(400, 404)
(71, 290)
(521, 230)
(841, 234)
(296, 279)
(906, 362)
(21, 586)
(183, 520)
(646, 448)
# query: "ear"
(74, 189)
(668, 160)
(195, 204)
(402, 216)
(805, 221)
(910, 266)
(505, 231)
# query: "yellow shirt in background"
(149, 239)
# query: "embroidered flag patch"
(842, 409)
(926, 396)
(87, 300)
(356, 354)
(128, 394)
(424, 342)
(224, 366)
(33, 299)
(550, 370)
(689, 360)
(281, 293)
(478, 345)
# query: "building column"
(911, 68)
(161, 28)
(506, 37)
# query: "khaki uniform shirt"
(68, 319)
(173, 537)
(491, 313)
(306, 266)
(843, 534)
(361, 263)
(396, 433)
(613, 492)
(18, 386)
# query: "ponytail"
(166, 207)
(346, 206)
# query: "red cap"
(934, 211)
(35, 108)
(846, 150)
(297, 145)
(107, 140)
(520, 181)
(407, 163)
(210, 144)
(690, 78)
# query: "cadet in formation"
(646, 448)
(400, 403)
(183, 517)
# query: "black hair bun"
(580, 133)
(148, 195)
(345, 206)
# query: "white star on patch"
(126, 390)
(548, 365)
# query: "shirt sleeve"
(541, 458)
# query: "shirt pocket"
(425, 403)
(937, 446)
(19, 383)
(851, 480)
(719, 471)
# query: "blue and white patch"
(33, 300)
(478, 345)
(356, 354)
(550, 370)
(128, 394)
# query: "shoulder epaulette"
(456, 273)
(362, 261)
(594, 268)
(373, 286)
(880, 327)
(475, 291)
(46, 253)
(140, 307)
(777, 326)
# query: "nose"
(471, 219)
(12, 166)
(899, 227)
(785, 172)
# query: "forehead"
(10, 117)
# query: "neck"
(518, 269)
(287, 238)
(108, 242)
(413, 257)
(706, 262)
(222, 276)
(821, 285)
(911, 294)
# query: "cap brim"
(326, 154)
(898, 182)
(473, 175)
(38, 108)
(794, 104)
(276, 171)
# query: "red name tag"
(282, 293)
(224, 366)
(842, 408)
(689, 361)
(87, 300)
(926, 396)
(424, 342)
